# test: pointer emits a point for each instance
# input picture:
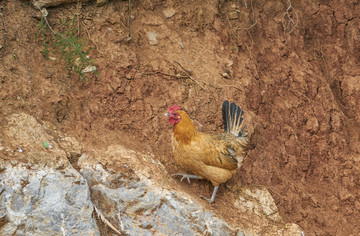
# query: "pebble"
(234, 14)
(225, 75)
(169, 12)
(89, 69)
(152, 38)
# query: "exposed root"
(288, 20)
(88, 35)
(253, 19)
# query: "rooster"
(214, 157)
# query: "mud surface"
(294, 69)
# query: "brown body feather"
(212, 157)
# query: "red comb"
(174, 108)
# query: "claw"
(188, 177)
(207, 199)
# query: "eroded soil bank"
(292, 66)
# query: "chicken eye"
(174, 114)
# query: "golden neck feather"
(184, 130)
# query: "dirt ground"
(293, 66)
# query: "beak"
(167, 114)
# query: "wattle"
(173, 121)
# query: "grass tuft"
(71, 48)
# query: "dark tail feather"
(232, 118)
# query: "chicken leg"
(188, 177)
(212, 199)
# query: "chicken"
(214, 157)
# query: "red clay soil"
(294, 69)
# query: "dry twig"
(186, 70)
(103, 219)
(78, 12)
(166, 74)
(3, 30)
(127, 38)
(128, 22)
(188, 73)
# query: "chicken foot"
(188, 177)
(212, 199)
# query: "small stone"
(77, 61)
(225, 75)
(357, 205)
(89, 69)
(100, 3)
(152, 38)
(312, 125)
(234, 14)
(169, 12)
(138, 76)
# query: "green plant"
(71, 48)
(41, 30)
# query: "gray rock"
(45, 202)
(258, 201)
(138, 207)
